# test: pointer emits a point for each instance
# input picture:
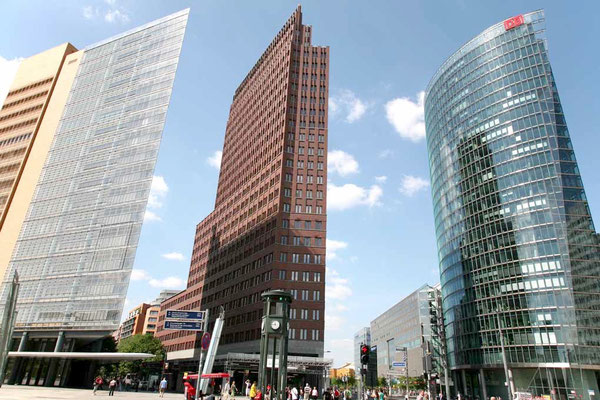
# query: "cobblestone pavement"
(9, 392)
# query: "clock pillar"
(274, 338)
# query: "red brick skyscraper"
(267, 230)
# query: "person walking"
(112, 386)
(307, 391)
(252, 393)
(162, 387)
(314, 395)
(97, 383)
(327, 395)
(294, 393)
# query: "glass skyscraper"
(77, 243)
(519, 255)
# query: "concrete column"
(14, 374)
(51, 376)
(511, 381)
(484, 395)
(463, 377)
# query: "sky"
(381, 240)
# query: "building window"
(298, 208)
(307, 241)
(293, 313)
(302, 334)
(305, 276)
(320, 165)
(317, 259)
(285, 223)
(298, 193)
(288, 177)
(316, 295)
(315, 334)
(319, 179)
(294, 276)
(311, 165)
(317, 277)
(304, 313)
(309, 209)
(297, 240)
(318, 225)
(316, 315)
(287, 192)
(309, 179)
(286, 207)
(318, 210)
(307, 224)
(298, 224)
(309, 194)
(318, 241)
(299, 178)
(281, 274)
(294, 293)
(284, 240)
(319, 194)
(306, 259)
(289, 163)
(283, 257)
(292, 333)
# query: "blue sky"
(380, 225)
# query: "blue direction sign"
(399, 364)
(184, 326)
(187, 315)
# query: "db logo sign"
(513, 22)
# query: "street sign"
(205, 342)
(373, 348)
(399, 364)
(184, 326)
(398, 349)
(187, 315)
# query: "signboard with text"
(184, 325)
(187, 315)
(514, 22)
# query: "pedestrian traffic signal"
(364, 354)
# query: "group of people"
(375, 394)
(295, 393)
(130, 384)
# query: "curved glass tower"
(519, 255)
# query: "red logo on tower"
(514, 22)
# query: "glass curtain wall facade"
(519, 254)
(77, 244)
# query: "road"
(9, 392)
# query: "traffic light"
(364, 354)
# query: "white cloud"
(8, 69)
(381, 179)
(333, 246)
(412, 184)
(150, 216)
(110, 13)
(174, 256)
(351, 195)
(385, 153)
(340, 162)
(407, 117)
(171, 282)
(338, 307)
(116, 15)
(139, 275)
(90, 12)
(215, 159)
(158, 191)
(336, 288)
(334, 322)
(347, 103)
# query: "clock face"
(275, 325)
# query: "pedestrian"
(233, 389)
(347, 394)
(307, 391)
(327, 395)
(314, 395)
(248, 384)
(190, 390)
(336, 393)
(112, 386)
(381, 395)
(294, 393)
(225, 391)
(97, 383)
(253, 390)
(162, 387)
(420, 395)
(259, 395)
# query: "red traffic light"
(364, 349)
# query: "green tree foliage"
(140, 344)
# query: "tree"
(140, 344)
(381, 381)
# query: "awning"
(80, 355)
(216, 375)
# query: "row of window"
(302, 241)
(305, 295)
(308, 209)
(294, 276)
(302, 258)
(303, 334)
(299, 224)
(287, 192)
(316, 314)
(309, 179)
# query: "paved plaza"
(9, 392)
